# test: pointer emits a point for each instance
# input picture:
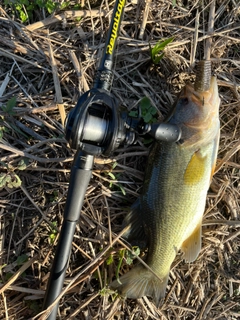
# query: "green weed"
(156, 52)
(128, 256)
(114, 177)
(25, 8)
(53, 233)
(2, 129)
(10, 178)
(22, 259)
(147, 111)
(8, 108)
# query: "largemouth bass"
(170, 209)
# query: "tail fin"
(141, 282)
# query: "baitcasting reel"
(99, 125)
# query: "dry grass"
(45, 69)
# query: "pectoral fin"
(135, 234)
(195, 169)
(192, 245)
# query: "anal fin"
(192, 245)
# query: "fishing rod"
(98, 125)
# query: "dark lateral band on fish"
(115, 27)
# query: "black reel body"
(98, 125)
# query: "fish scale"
(168, 213)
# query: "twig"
(144, 21)
(227, 156)
(6, 81)
(77, 67)
(18, 273)
(195, 40)
(30, 156)
(26, 290)
(210, 30)
(37, 207)
(9, 54)
(59, 99)
(231, 223)
(66, 15)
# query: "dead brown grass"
(45, 66)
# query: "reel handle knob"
(164, 131)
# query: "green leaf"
(152, 110)
(40, 3)
(110, 260)
(22, 164)
(16, 181)
(148, 112)
(52, 237)
(162, 44)
(156, 51)
(133, 113)
(23, 16)
(114, 165)
(64, 5)
(10, 105)
(131, 255)
(10, 180)
(145, 103)
(77, 7)
(122, 189)
(8, 275)
(5, 179)
(112, 175)
(18, 7)
(158, 58)
(22, 259)
(50, 6)
(147, 118)
(31, 7)
(121, 256)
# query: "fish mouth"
(207, 97)
(206, 105)
(197, 106)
